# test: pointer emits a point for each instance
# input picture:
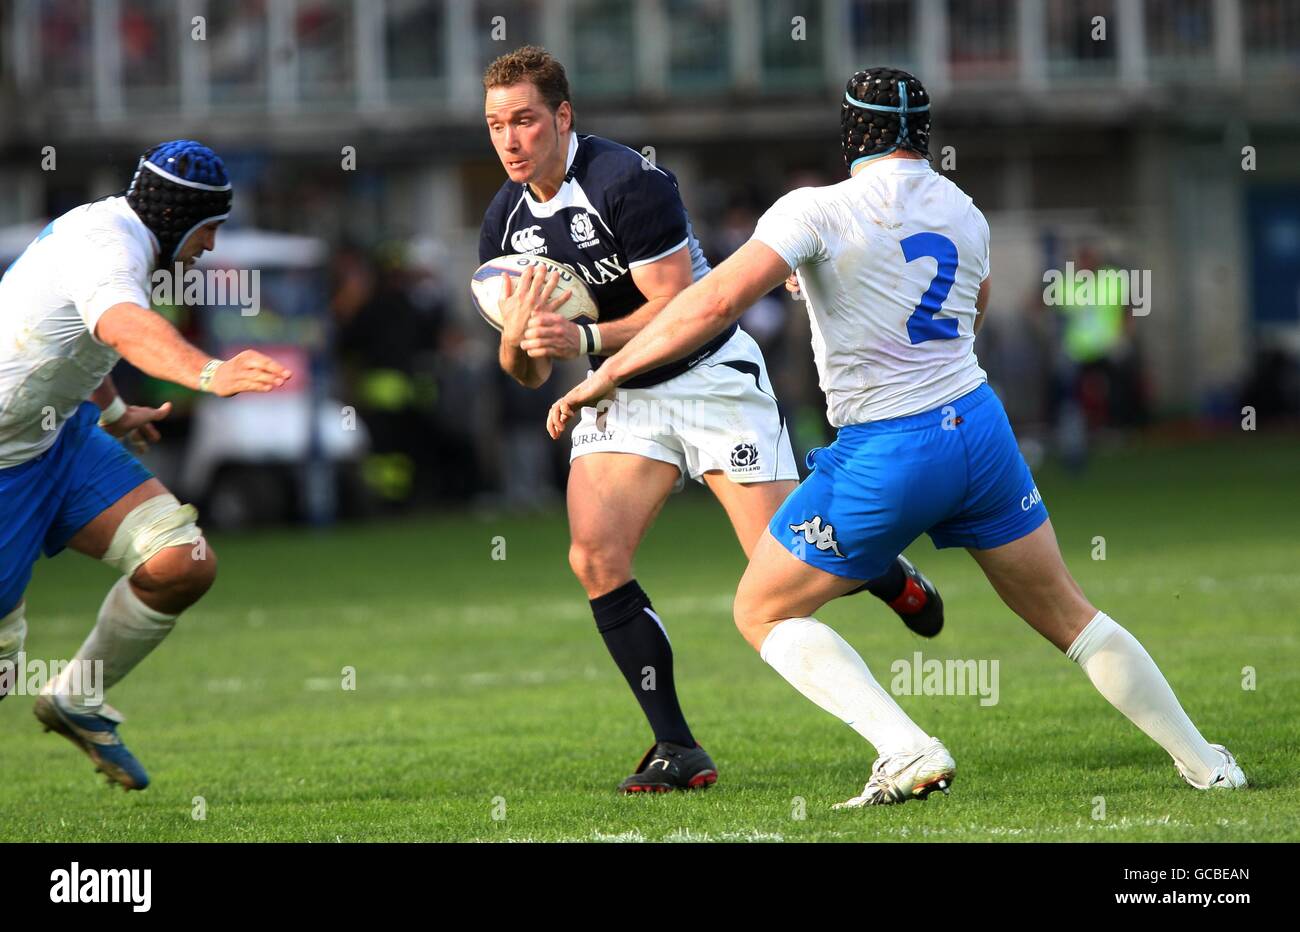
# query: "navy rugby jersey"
(614, 212)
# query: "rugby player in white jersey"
(74, 303)
(618, 220)
(894, 265)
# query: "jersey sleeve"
(487, 242)
(107, 270)
(789, 228)
(647, 216)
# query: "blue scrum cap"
(178, 187)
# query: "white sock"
(124, 634)
(821, 665)
(1125, 674)
(13, 631)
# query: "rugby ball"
(488, 283)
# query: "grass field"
(486, 707)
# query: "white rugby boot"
(1227, 776)
(910, 775)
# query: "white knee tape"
(13, 632)
(155, 525)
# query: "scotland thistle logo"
(582, 230)
(744, 457)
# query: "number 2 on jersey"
(923, 325)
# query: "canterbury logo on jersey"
(823, 538)
(527, 240)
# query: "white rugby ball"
(487, 287)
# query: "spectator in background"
(422, 387)
(1098, 373)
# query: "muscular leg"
(774, 605)
(141, 609)
(751, 505)
(612, 500)
(1032, 579)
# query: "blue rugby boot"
(96, 734)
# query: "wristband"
(209, 372)
(113, 413)
(588, 340)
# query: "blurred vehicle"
(293, 453)
(259, 459)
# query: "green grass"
(480, 681)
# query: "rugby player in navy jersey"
(618, 221)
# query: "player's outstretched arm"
(151, 344)
(690, 320)
(660, 282)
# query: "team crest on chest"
(583, 230)
(821, 537)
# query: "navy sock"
(636, 641)
(887, 586)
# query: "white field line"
(914, 833)
(491, 613)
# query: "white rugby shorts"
(719, 415)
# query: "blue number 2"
(923, 325)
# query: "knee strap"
(150, 527)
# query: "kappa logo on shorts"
(744, 458)
(823, 538)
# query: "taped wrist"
(113, 413)
(589, 342)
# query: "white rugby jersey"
(890, 263)
(51, 298)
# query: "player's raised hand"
(586, 394)
(514, 312)
(249, 371)
(551, 335)
(518, 306)
(792, 286)
(136, 425)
